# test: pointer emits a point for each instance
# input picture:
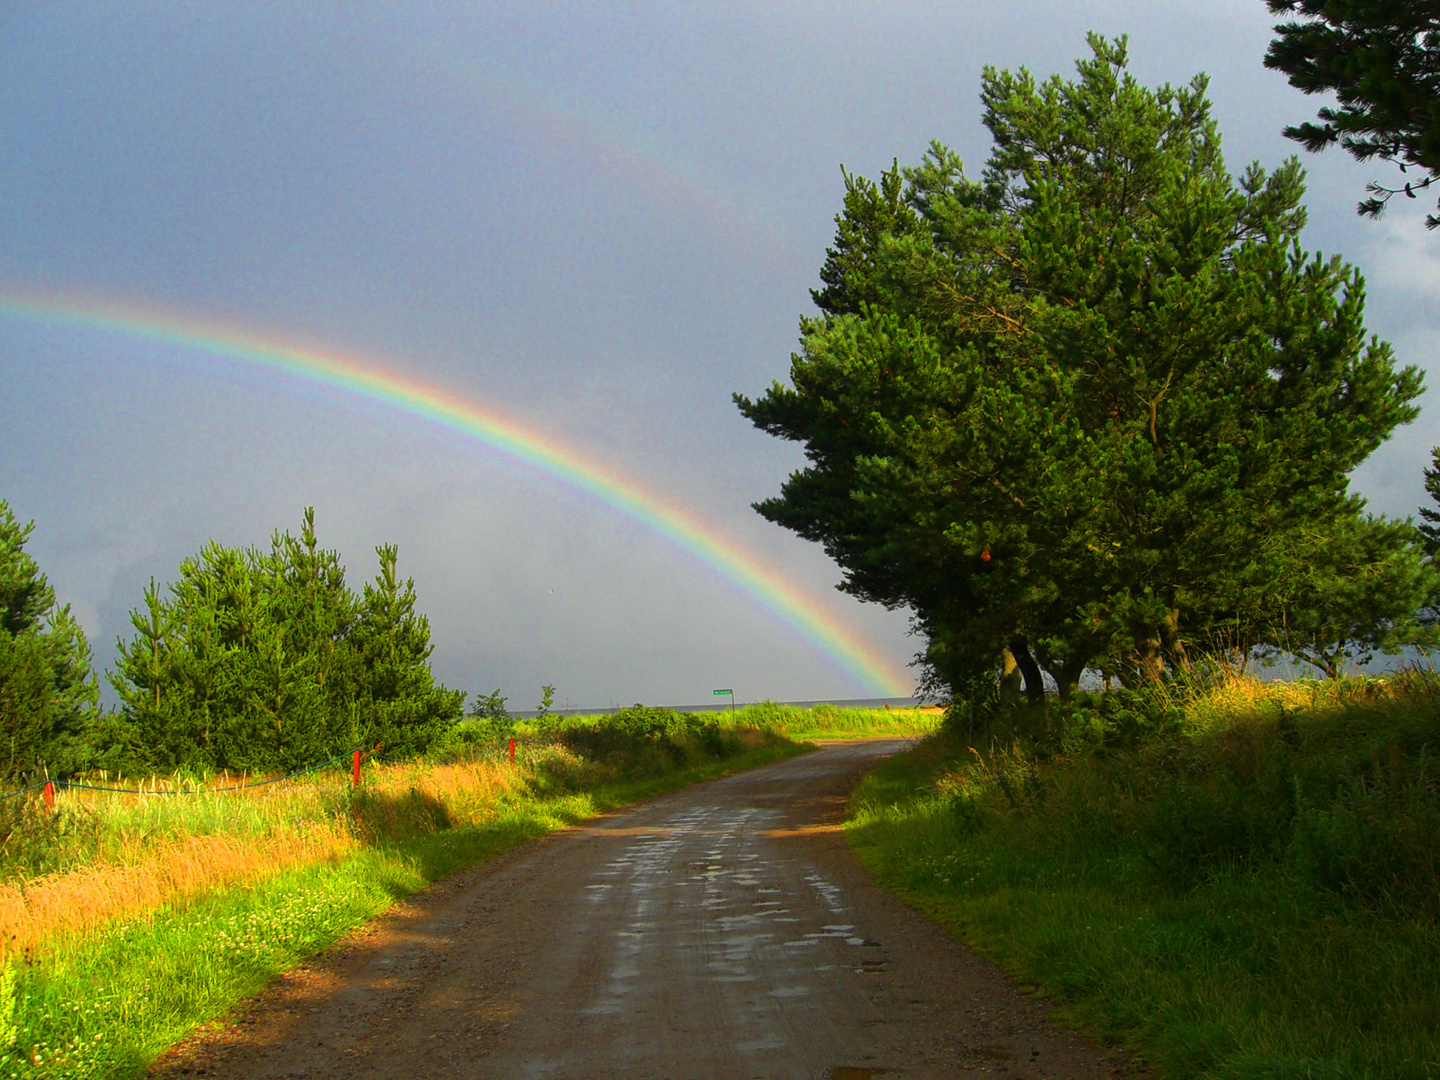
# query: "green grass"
(106, 1004)
(1244, 885)
(835, 722)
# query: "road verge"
(1248, 892)
(106, 1003)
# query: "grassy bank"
(1237, 882)
(127, 920)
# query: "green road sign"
(719, 692)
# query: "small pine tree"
(403, 707)
(145, 677)
(48, 694)
(268, 662)
(544, 716)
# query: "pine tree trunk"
(1009, 678)
(1171, 642)
(1148, 662)
(1034, 680)
(1067, 678)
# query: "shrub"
(36, 840)
(472, 736)
(638, 732)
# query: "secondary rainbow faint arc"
(368, 379)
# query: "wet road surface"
(724, 930)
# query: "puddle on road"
(832, 932)
(790, 992)
(872, 967)
(829, 894)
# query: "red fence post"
(512, 751)
(49, 794)
(355, 779)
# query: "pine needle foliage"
(48, 694)
(1430, 515)
(267, 661)
(1381, 60)
(1096, 409)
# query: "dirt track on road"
(721, 931)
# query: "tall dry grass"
(100, 858)
(87, 898)
(103, 857)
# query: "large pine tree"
(1081, 412)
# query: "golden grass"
(85, 899)
(466, 788)
(150, 850)
(1235, 695)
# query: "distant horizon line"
(909, 702)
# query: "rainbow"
(368, 378)
(627, 151)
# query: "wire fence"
(501, 747)
(355, 755)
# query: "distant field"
(838, 722)
(802, 722)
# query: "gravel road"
(722, 931)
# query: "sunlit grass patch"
(839, 722)
(103, 856)
(106, 1004)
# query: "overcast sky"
(598, 219)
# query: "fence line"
(56, 785)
